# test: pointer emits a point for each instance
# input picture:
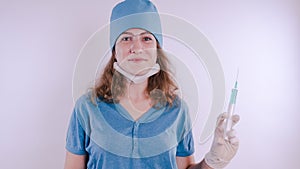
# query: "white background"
(40, 41)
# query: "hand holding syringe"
(231, 107)
(225, 143)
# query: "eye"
(126, 38)
(147, 38)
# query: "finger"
(231, 134)
(221, 118)
(235, 119)
(220, 140)
(234, 141)
(220, 123)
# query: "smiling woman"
(136, 51)
(133, 117)
(40, 43)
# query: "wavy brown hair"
(161, 87)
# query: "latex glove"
(222, 150)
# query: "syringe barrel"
(228, 124)
(230, 111)
(234, 92)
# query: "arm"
(221, 152)
(74, 161)
(188, 163)
(76, 155)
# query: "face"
(136, 51)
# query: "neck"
(136, 101)
(136, 92)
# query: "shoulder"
(183, 119)
(179, 108)
(84, 102)
(180, 104)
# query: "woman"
(133, 117)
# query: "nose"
(136, 46)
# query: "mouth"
(137, 59)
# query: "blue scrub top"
(108, 135)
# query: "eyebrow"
(143, 33)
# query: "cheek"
(153, 54)
(154, 59)
(120, 53)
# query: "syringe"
(231, 107)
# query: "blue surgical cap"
(135, 14)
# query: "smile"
(137, 59)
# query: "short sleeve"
(186, 146)
(76, 137)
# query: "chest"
(136, 109)
(112, 129)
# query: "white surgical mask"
(137, 78)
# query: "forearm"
(201, 165)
